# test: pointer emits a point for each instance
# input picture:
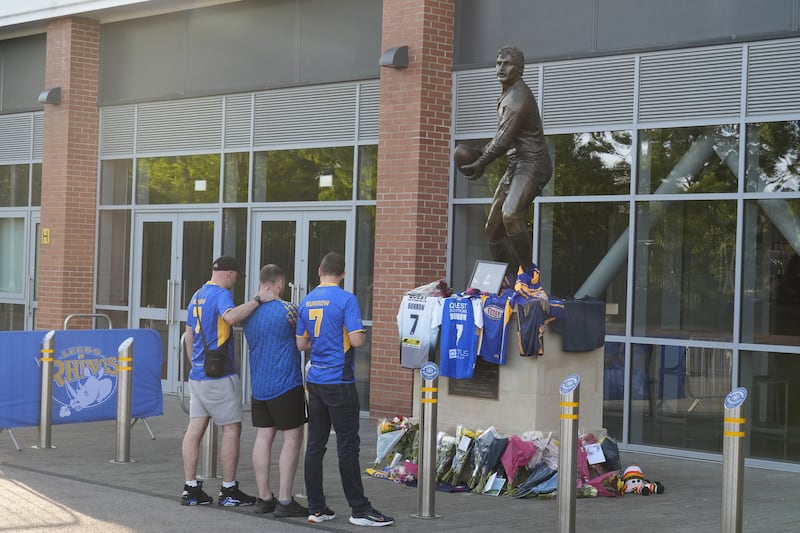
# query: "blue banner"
(85, 372)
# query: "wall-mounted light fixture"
(50, 96)
(396, 57)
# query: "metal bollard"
(209, 455)
(426, 479)
(46, 402)
(567, 453)
(124, 378)
(733, 461)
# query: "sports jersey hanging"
(534, 311)
(497, 312)
(461, 321)
(419, 328)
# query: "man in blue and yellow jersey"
(329, 328)
(211, 315)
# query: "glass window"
(14, 181)
(772, 380)
(771, 272)
(303, 175)
(367, 172)
(684, 269)
(773, 157)
(237, 169)
(36, 184)
(363, 362)
(688, 160)
(181, 179)
(365, 259)
(591, 163)
(12, 317)
(613, 388)
(119, 318)
(12, 260)
(583, 249)
(113, 257)
(677, 395)
(116, 181)
(469, 242)
(234, 242)
(484, 186)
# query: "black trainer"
(233, 497)
(373, 517)
(265, 506)
(195, 495)
(290, 509)
(322, 516)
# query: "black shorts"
(287, 411)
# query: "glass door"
(175, 252)
(31, 296)
(297, 242)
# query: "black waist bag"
(214, 365)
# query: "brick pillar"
(413, 182)
(69, 173)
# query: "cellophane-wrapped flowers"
(465, 438)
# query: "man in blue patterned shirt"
(278, 400)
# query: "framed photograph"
(487, 276)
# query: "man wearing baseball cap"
(211, 315)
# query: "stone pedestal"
(528, 392)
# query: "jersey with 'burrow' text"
(418, 328)
(461, 321)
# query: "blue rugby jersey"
(461, 320)
(209, 303)
(326, 315)
(496, 319)
(275, 362)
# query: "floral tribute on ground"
(489, 462)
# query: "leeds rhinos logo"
(83, 378)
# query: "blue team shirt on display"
(327, 315)
(462, 320)
(275, 362)
(208, 299)
(494, 337)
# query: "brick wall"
(69, 173)
(413, 182)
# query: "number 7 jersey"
(461, 320)
(419, 328)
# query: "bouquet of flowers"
(445, 450)
(464, 441)
(408, 445)
(389, 435)
(480, 454)
(496, 449)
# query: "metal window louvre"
(369, 109)
(15, 137)
(476, 94)
(38, 135)
(773, 78)
(695, 84)
(305, 115)
(116, 130)
(238, 114)
(194, 124)
(588, 93)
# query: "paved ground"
(75, 488)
